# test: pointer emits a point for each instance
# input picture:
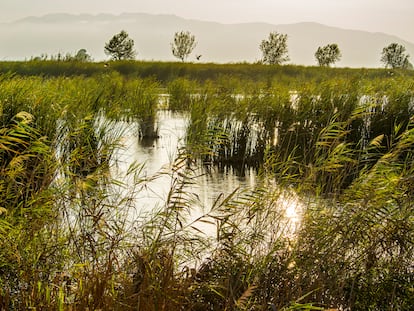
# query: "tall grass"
(336, 151)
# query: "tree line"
(274, 51)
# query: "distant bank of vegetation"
(341, 140)
(169, 71)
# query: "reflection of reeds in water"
(241, 129)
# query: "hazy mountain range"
(217, 42)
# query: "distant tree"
(120, 47)
(327, 55)
(183, 44)
(275, 49)
(58, 57)
(82, 56)
(42, 57)
(394, 56)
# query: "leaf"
(376, 142)
(243, 299)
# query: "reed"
(336, 145)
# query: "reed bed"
(336, 150)
(166, 72)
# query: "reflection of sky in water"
(159, 154)
(154, 155)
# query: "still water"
(156, 157)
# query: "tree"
(82, 56)
(120, 47)
(327, 55)
(275, 49)
(184, 43)
(394, 56)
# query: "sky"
(389, 16)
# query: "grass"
(338, 141)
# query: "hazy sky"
(390, 16)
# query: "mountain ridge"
(217, 42)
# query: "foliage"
(82, 56)
(274, 49)
(120, 47)
(328, 55)
(183, 44)
(166, 72)
(394, 56)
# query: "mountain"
(217, 42)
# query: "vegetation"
(80, 56)
(338, 143)
(183, 44)
(166, 72)
(120, 47)
(394, 56)
(327, 55)
(274, 50)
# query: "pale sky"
(394, 17)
